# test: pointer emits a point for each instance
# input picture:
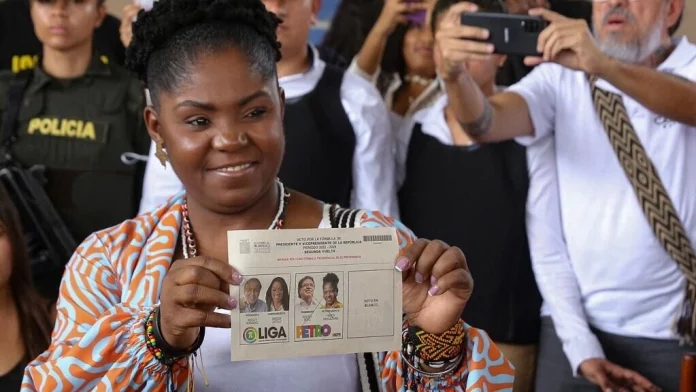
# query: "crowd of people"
(558, 184)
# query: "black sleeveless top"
(319, 143)
(12, 381)
(475, 198)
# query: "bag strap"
(15, 96)
(652, 196)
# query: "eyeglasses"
(308, 286)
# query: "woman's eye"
(256, 113)
(198, 122)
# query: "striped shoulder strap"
(652, 197)
(342, 218)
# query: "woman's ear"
(152, 123)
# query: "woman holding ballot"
(138, 300)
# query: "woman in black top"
(474, 196)
(24, 317)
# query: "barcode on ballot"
(377, 238)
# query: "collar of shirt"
(301, 84)
(430, 94)
(98, 66)
(683, 54)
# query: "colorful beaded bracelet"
(152, 342)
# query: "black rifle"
(49, 243)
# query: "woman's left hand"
(436, 284)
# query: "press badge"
(315, 292)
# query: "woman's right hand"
(191, 291)
(394, 12)
(457, 44)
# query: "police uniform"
(79, 130)
(19, 46)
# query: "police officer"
(19, 46)
(81, 117)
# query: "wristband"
(159, 347)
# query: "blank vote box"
(371, 303)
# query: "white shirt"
(373, 159)
(431, 93)
(611, 272)
(337, 373)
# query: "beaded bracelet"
(444, 351)
(159, 347)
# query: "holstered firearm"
(49, 243)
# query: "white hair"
(636, 50)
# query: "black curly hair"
(332, 279)
(168, 39)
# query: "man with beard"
(619, 286)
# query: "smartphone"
(509, 34)
(417, 17)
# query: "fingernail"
(433, 281)
(401, 264)
(419, 277)
(491, 48)
(232, 302)
(237, 278)
(433, 290)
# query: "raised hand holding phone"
(567, 42)
(397, 12)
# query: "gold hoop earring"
(160, 153)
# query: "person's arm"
(550, 261)
(503, 116)
(666, 95)
(99, 341)
(160, 183)
(374, 185)
(370, 55)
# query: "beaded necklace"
(188, 246)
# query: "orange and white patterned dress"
(114, 280)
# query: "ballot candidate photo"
(305, 294)
(137, 300)
(278, 296)
(331, 292)
(251, 302)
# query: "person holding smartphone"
(619, 104)
(473, 196)
(397, 57)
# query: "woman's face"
(329, 294)
(277, 292)
(66, 24)
(223, 132)
(5, 256)
(307, 290)
(418, 51)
